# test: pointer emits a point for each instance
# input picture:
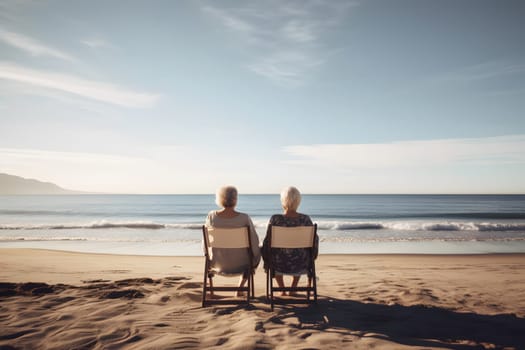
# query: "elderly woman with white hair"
(228, 217)
(294, 261)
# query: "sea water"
(171, 224)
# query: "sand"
(62, 300)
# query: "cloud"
(228, 20)
(299, 31)
(32, 46)
(95, 43)
(287, 68)
(287, 36)
(67, 157)
(78, 170)
(100, 91)
(420, 153)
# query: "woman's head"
(226, 197)
(290, 198)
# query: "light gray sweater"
(228, 261)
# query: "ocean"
(171, 224)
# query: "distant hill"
(10, 184)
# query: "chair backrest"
(214, 237)
(292, 237)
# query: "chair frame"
(312, 277)
(208, 274)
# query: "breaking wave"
(323, 225)
(103, 225)
(421, 226)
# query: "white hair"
(290, 198)
(226, 197)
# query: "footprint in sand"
(127, 293)
(190, 285)
(157, 299)
(95, 281)
(185, 343)
(136, 281)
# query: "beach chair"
(226, 239)
(300, 237)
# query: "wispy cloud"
(477, 151)
(287, 68)
(96, 43)
(286, 36)
(96, 90)
(32, 46)
(68, 157)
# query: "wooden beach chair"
(226, 239)
(300, 237)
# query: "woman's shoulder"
(212, 213)
(244, 217)
(305, 219)
(276, 218)
(299, 220)
(210, 218)
(304, 216)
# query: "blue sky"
(330, 96)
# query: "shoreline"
(3, 249)
(194, 248)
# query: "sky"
(332, 96)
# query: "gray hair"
(290, 198)
(226, 197)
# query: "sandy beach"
(63, 300)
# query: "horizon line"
(85, 193)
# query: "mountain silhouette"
(11, 184)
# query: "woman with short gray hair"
(226, 197)
(228, 217)
(290, 198)
(296, 261)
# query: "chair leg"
(253, 285)
(204, 286)
(267, 287)
(271, 287)
(211, 285)
(314, 276)
(309, 286)
(249, 282)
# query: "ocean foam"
(261, 225)
(103, 224)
